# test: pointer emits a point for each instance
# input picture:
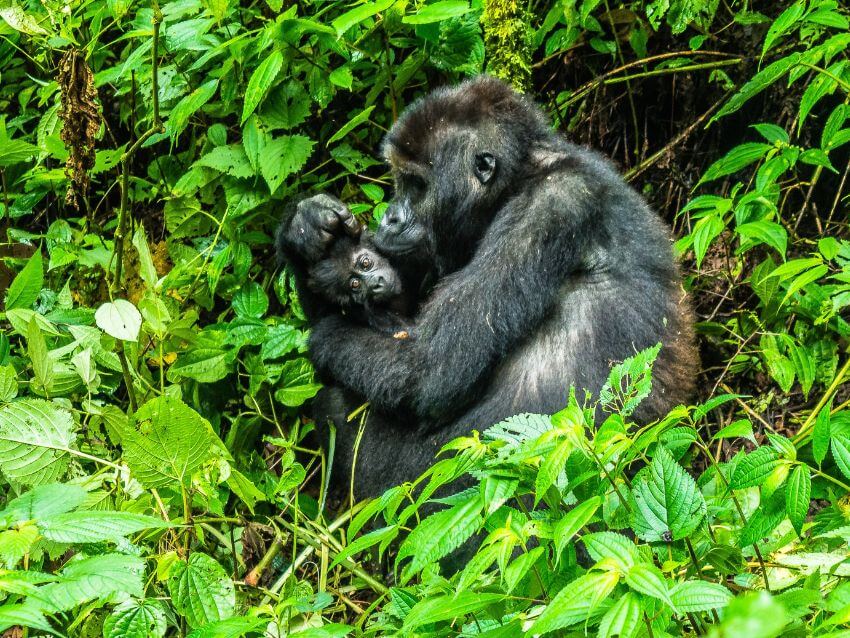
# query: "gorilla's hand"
(318, 221)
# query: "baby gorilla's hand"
(316, 225)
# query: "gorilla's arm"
(474, 317)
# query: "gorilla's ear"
(485, 167)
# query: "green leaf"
(786, 20)
(119, 319)
(25, 615)
(297, 383)
(231, 628)
(25, 287)
(438, 11)
(173, 442)
(647, 579)
(8, 383)
(358, 14)
(612, 548)
(229, 159)
(443, 608)
(201, 590)
(705, 230)
(573, 521)
(364, 542)
(739, 157)
(754, 468)
(250, 301)
(283, 156)
(280, 341)
(341, 76)
(136, 619)
(623, 620)
(353, 123)
(821, 433)
(772, 133)
(668, 505)
(97, 578)
(147, 269)
(42, 366)
(758, 83)
(205, 365)
(698, 595)
(35, 441)
(575, 602)
(93, 526)
(42, 502)
(261, 80)
(798, 494)
(742, 428)
(841, 453)
(552, 465)
(771, 233)
(440, 534)
(187, 107)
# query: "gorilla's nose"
(394, 220)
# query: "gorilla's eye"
(354, 283)
(365, 263)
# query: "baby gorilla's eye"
(354, 283)
(365, 263)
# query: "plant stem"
(808, 424)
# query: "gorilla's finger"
(349, 223)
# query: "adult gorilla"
(550, 268)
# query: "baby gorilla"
(365, 286)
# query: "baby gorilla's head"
(355, 274)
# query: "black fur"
(550, 269)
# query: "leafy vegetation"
(158, 478)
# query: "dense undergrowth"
(157, 476)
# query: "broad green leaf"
(101, 577)
(786, 21)
(42, 502)
(230, 159)
(821, 433)
(573, 521)
(698, 595)
(358, 14)
(282, 157)
(623, 620)
(36, 438)
(443, 608)
(739, 157)
(93, 526)
(261, 80)
(119, 319)
(754, 468)
(803, 280)
(42, 366)
(742, 428)
(841, 453)
(798, 494)
(297, 383)
(772, 133)
(8, 383)
(364, 542)
(794, 267)
(187, 107)
(136, 619)
(24, 615)
(171, 444)
(250, 301)
(440, 534)
(20, 20)
(612, 549)
(758, 83)
(280, 341)
(552, 465)
(705, 231)
(822, 85)
(667, 504)
(438, 11)
(647, 579)
(342, 76)
(25, 287)
(147, 269)
(771, 233)
(353, 123)
(15, 544)
(201, 590)
(235, 627)
(574, 603)
(205, 365)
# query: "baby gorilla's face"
(371, 278)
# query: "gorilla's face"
(355, 274)
(444, 201)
